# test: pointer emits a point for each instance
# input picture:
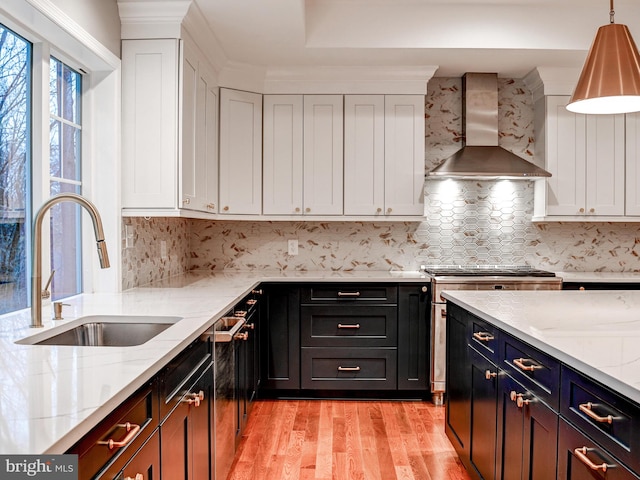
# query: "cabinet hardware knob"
(519, 399)
(592, 210)
(194, 398)
(348, 369)
(355, 326)
(483, 336)
(424, 289)
(307, 209)
(249, 326)
(297, 209)
(138, 476)
(257, 292)
(133, 430)
(489, 374)
(378, 210)
(581, 210)
(581, 453)
(211, 206)
(389, 210)
(186, 201)
(240, 313)
(241, 336)
(587, 409)
(226, 208)
(519, 362)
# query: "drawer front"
(484, 338)
(349, 369)
(350, 292)
(118, 436)
(349, 325)
(580, 458)
(535, 370)
(611, 420)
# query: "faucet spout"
(36, 250)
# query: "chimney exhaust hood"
(482, 157)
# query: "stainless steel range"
(457, 277)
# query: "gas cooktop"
(485, 271)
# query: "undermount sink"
(104, 331)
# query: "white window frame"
(54, 33)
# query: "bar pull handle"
(483, 336)
(348, 294)
(587, 409)
(241, 336)
(581, 453)
(519, 362)
(133, 430)
(348, 369)
(194, 398)
(488, 374)
(342, 325)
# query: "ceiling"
(509, 37)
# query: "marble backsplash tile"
(466, 222)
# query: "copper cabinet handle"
(249, 326)
(342, 325)
(519, 399)
(211, 206)
(226, 208)
(587, 409)
(389, 210)
(138, 476)
(307, 210)
(133, 430)
(378, 210)
(297, 209)
(240, 313)
(241, 336)
(194, 398)
(483, 336)
(348, 369)
(582, 210)
(348, 294)
(519, 362)
(186, 201)
(488, 374)
(581, 453)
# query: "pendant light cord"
(611, 12)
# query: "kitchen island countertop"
(597, 332)
(53, 395)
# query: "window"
(17, 180)
(15, 77)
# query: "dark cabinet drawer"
(611, 420)
(349, 325)
(120, 434)
(536, 370)
(580, 458)
(350, 292)
(484, 338)
(349, 369)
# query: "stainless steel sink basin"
(104, 331)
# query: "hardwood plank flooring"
(346, 440)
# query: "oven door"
(438, 351)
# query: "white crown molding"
(544, 81)
(152, 18)
(350, 80)
(198, 29)
(48, 22)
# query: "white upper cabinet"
(323, 155)
(633, 165)
(586, 156)
(282, 155)
(364, 175)
(170, 133)
(404, 155)
(240, 152)
(150, 123)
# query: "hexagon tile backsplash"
(466, 221)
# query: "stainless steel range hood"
(482, 157)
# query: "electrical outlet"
(163, 249)
(292, 247)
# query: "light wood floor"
(346, 440)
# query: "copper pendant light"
(610, 79)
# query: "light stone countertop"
(53, 395)
(600, 277)
(595, 331)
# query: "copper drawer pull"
(519, 399)
(241, 336)
(342, 325)
(519, 362)
(138, 476)
(586, 408)
(483, 336)
(581, 453)
(348, 369)
(133, 430)
(194, 398)
(488, 374)
(348, 294)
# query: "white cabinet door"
(364, 192)
(150, 123)
(282, 155)
(240, 152)
(633, 164)
(565, 158)
(404, 154)
(323, 154)
(605, 165)
(199, 186)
